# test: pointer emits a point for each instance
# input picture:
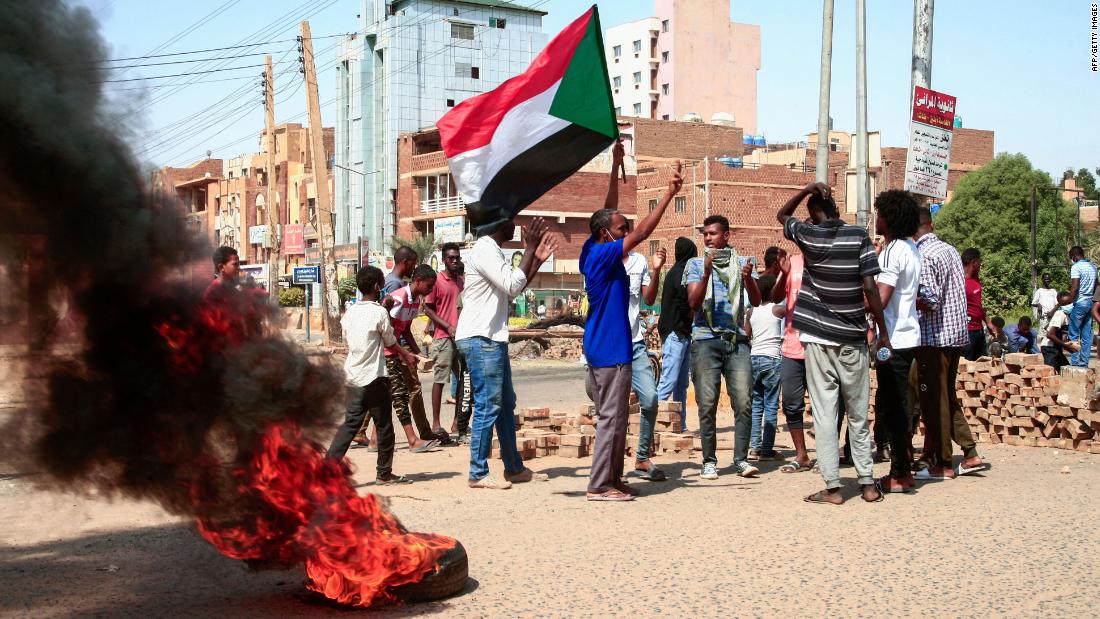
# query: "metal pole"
(309, 289)
(822, 162)
(922, 45)
(863, 190)
(1034, 247)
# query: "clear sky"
(1018, 68)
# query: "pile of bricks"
(1020, 401)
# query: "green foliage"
(292, 297)
(424, 246)
(346, 288)
(990, 210)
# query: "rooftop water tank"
(691, 117)
(733, 162)
(758, 140)
(747, 139)
(723, 119)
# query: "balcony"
(429, 161)
(441, 205)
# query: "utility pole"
(922, 45)
(823, 101)
(269, 196)
(1034, 241)
(330, 300)
(863, 190)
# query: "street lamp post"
(1079, 199)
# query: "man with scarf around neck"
(674, 326)
(719, 290)
(840, 269)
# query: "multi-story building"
(410, 62)
(687, 59)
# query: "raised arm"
(787, 210)
(649, 293)
(779, 290)
(646, 227)
(617, 154)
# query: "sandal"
(971, 470)
(611, 495)
(654, 473)
(878, 489)
(794, 466)
(426, 447)
(819, 497)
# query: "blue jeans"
(1080, 328)
(675, 357)
(645, 386)
(765, 402)
(494, 405)
(711, 361)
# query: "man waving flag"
(509, 146)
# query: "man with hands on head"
(840, 269)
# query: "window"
(653, 247)
(637, 47)
(450, 102)
(664, 25)
(664, 89)
(617, 51)
(637, 77)
(462, 31)
(496, 22)
(475, 73)
(617, 81)
(680, 204)
(455, 12)
(462, 69)
(664, 57)
(653, 205)
(637, 109)
(664, 117)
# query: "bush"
(346, 288)
(292, 297)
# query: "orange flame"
(355, 551)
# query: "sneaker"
(525, 476)
(744, 469)
(489, 483)
(710, 471)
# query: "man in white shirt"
(898, 283)
(643, 286)
(1044, 301)
(482, 337)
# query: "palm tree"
(424, 246)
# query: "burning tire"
(448, 579)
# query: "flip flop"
(878, 489)
(426, 447)
(972, 470)
(817, 498)
(653, 474)
(794, 467)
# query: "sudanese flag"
(509, 146)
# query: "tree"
(424, 246)
(990, 210)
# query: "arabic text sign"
(933, 108)
(294, 239)
(926, 166)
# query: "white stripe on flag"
(521, 128)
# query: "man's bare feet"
(972, 462)
(831, 496)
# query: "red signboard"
(294, 239)
(933, 108)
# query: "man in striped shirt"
(943, 335)
(840, 269)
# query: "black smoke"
(156, 395)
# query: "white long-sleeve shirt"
(367, 331)
(491, 284)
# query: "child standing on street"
(766, 334)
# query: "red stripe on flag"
(473, 122)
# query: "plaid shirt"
(942, 287)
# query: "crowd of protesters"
(907, 306)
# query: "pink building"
(687, 59)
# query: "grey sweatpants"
(610, 391)
(830, 372)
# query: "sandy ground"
(1021, 541)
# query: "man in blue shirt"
(719, 290)
(1021, 337)
(1082, 285)
(607, 334)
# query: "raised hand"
(658, 259)
(746, 270)
(677, 181)
(546, 248)
(785, 263)
(533, 233)
(618, 152)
